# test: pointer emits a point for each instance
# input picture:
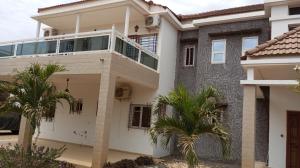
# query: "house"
(121, 54)
(271, 75)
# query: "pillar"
(77, 26)
(38, 30)
(248, 135)
(127, 19)
(103, 119)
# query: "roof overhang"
(230, 18)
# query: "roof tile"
(286, 44)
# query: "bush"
(121, 164)
(38, 157)
(144, 161)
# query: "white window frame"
(131, 113)
(243, 42)
(186, 47)
(213, 52)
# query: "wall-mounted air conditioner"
(153, 21)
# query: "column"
(103, 119)
(25, 133)
(38, 30)
(127, 19)
(77, 27)
(248, 135)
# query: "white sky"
(15, 22)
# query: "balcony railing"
(107, 40)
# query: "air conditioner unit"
(123, 92)
(50, 32)
(153, 21)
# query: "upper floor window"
(294, 11)
(140, 116)
(218, 51)
(189, 55)
(147, 41)
(249, 43)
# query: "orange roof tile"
(284, 45)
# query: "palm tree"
(194, 116)
(32, 94)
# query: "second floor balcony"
(81, 43)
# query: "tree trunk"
(25, 134)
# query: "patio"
(79, 155)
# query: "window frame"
(213, 52)
(185, 48)
(243, 42)
(131, 113)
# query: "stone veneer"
(226, 77)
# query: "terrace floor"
(79, 155)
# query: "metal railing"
(105, 40)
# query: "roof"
(150, 3)
(285, 45)
(242, 9)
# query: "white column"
(127, 18)
(77, 28)
(38, 30)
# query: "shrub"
(38, 157)
(126, 163)
(144, 161)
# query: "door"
(293, 140)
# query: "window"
(189, 55)
(294, 11)
(140, 116)
(147, 41)
(218, 51)
(77, 106)
(249, 43)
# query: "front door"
(293, 140)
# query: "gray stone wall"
(225, 77)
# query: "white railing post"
(15, 49)
(140, 55)
(113, 38)
(57, 47)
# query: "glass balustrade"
(148, 60)
(84, 44)
(95, 43)
(7, 50)
(126, 49)
(44, 47)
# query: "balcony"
(81, 43)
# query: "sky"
(15, 22)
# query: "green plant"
(33, 94)
(37, 157)
(194, 116)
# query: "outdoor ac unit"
(153, 21)
(50, 32)
(123, 92)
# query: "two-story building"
(121, 54)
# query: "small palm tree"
(32, 94)
(194, 116)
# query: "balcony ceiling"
(95, 18)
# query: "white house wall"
(282, 99)
(74, 128)
(122, 137)
(167, 51)
(280, 20)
